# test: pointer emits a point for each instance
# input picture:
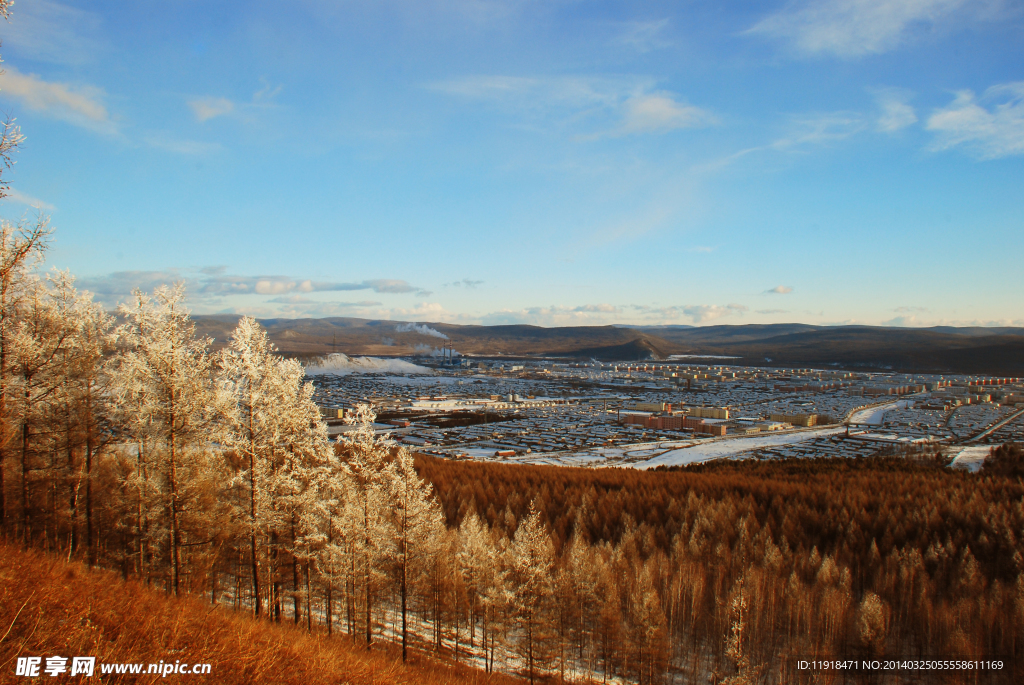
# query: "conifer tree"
(531, 560)
(417, 522)
(275, 430)
(369, 528)
(164, 388)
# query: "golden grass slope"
(49, 607)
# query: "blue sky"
(512, 161)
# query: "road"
(994, 427)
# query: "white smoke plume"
(427, 350)
(420, 328)
(342, 365)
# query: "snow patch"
(971, 458)
(340, 364)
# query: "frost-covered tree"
(80, 408)
(42, 352)
(163, 384)
(417, 522)
(480, 561)
(280, 441)
(21, 248)
(329, 544)
(579, 581)
(530, 564)
(370, 528)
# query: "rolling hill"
(996, 351)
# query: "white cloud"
(79, 105)
(895, 113)
(902, 321)
(659, 112)
(989, 132)
(556, 315)
(780, 290)
(52, 32)
(853, 28)
(208, 286)
(707, 312)
(211, 107)
(696, 313)
(14, 195)
(820, 129)
(643, 36)
(613, 105)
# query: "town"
(673, 412)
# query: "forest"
(128, 444)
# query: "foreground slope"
(55, 608)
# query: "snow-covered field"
(876, 415)
(731, 447)
(343, 365)
(971, 458)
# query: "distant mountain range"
(940, 349)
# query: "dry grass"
(50, 608)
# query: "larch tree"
(40, 341)
(276, 432)
(531, 561)
(163, 384)
(21, 248)
(370, 528)
(417, 520)
(81, 407)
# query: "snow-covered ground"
(342, 365)
(876, 415)
(731, 447)
(971, 458)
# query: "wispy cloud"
(78, 105)
(548, 316)
(660, 112)
(15, 195)
(820, 129)
(208, 285)
(780, 290)
(854, 28)
(805, 131)
(696, 313)
(210, 107)
(464, 283)
(895, 113)
(989, 127)
(52, 32)
(643, 36)
(904, 320)
(614, 106)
